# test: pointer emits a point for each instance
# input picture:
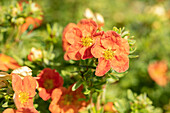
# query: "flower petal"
(65, 43)
(88, 27)
(103, 67)
(73, 51)
(123, 46)
(86, 52)
(97, 50)
(110, 39)
(3, 67)
(29, 85)
(120, 63)
(56, 94)
(44, 94)
(73, 34)
(16, 83)
(9, 110)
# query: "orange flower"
(157, 72)
(81, 39)
(35, 54)
(110, 108)
(10, 110)
(24, 91)
(111, 51)
(30, 21)
(7, 63)
(48, 81)
(67, 101)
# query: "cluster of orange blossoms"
(157, 72)
(50, 85)
(82, 41)
(36, 22)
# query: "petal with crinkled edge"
(86, 52)
(110, 39)
(120, 63)
(73, 34)
(88, 27)
(73, 51)
(97, 50)
(103, 67)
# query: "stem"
(103, 94)
(98, 106)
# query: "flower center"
(48, 84)
(23, 97)
(108, 54)
(67, 99)
(87, 41)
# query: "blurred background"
(147, 20)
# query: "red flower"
(157, 72)
(81, 39)
(112, 52)
(67, 101)
(49, 80)
(10, 110)
(24, 91)
(7, 63)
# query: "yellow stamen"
(48, 84)
(108, 54)
(23, 97)
(87, 41)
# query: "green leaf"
(5, 105)
(130, 95)
(131, 42)
(132, 50)
(114, 77)
(87, 92)
(48, 28)
(133, 56)
(76, 85)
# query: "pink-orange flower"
(112, 52)
(157, 72)
(48, 80)
(67, 101)
(7, 62)
(81, 38)
(23, 110)
(24, 91)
